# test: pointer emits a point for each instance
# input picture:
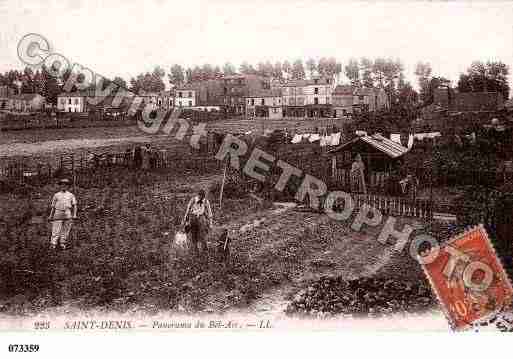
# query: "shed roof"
(383, 144)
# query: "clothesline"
(324, 140)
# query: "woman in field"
(198, 217)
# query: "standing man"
(62, 212)
(199, 217)
(357, 176)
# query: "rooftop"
(352, 90)
(309, 82)
(383, 144)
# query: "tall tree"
(217, 72)
(120, 82)
(228, 69)
(338, 71)
(298, 70)
(38, 82)
(323, 66)
(51, 88)
(287, 68)
(311, 66)
(188, 75)
(277, 71)
(196, 73)
(352, 71)
(366, 66)
(27, 85)
(491, 76)
(157, 80)
(268, 69)
(423, 72)
(207, 72)
(134, 86)
(247, 69)
(176, 75)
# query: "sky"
(124, 38)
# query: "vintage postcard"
(232, 166)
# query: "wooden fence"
(395, 206)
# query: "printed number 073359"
(23, 348)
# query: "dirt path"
(331, 249)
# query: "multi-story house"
(185, 96)
(5, 93)
(237, 87)
(265, 103)
(348, 99)
(308, 98)
(343, 98)
(454, 101)
(72, 101)
(88, 101)
(369, 100)
(210, 92)
(26, 102)
(166, 100)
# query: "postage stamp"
(469, 279)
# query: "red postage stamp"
(468, 279)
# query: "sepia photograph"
(234, 166)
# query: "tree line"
(386, 73)
(44, 82)
(490, 76)
(286, 70)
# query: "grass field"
(56, 141)
(121, 255)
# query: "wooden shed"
(381, 156)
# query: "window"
(262, 102)
(252, 102)
(180, 103)
(190, 103)
(190, 94)
(63, 101)
(361, 97)
(69, 101)
(179, 94)
(316, 81)
(275, 110)
(316, 101)
(76, 101)
(316, 90)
